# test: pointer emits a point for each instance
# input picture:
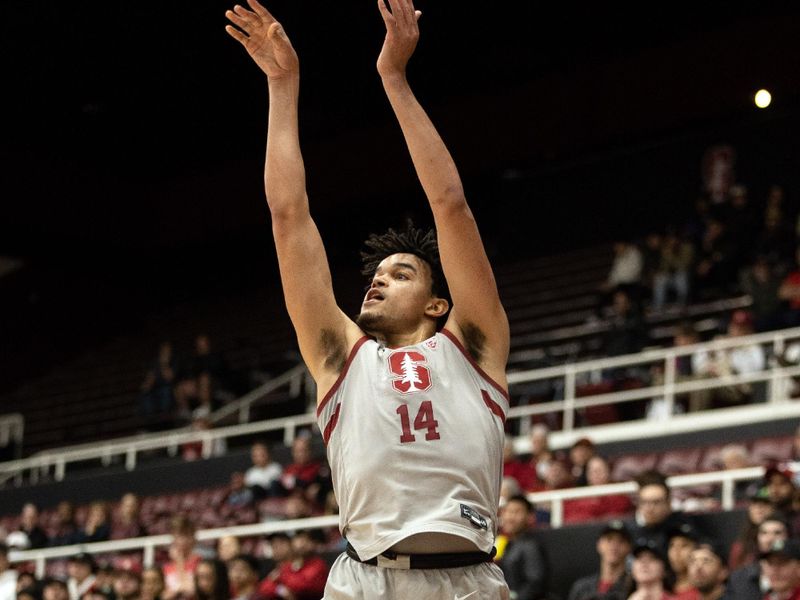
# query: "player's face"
(398, 296)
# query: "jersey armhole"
(457, 343)
(356, 347)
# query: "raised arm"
(477, 317)
(324, 332)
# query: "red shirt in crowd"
(305, 581)
(591, 509)
(300, 476)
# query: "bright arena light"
(763, 98)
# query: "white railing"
(566, 377)
(556, 498)
(12, 429)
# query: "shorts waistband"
(448, 560)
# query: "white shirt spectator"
(627, 267)
(263, 476)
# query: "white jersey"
(414, 438)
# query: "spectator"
(781, 564)
(81, 569)
(209, 362)
(211, 580)
(156, 396)
(674, 271)
(279, 550)
(598, 472)
(626, 334)
(304, 472)
(579, 454)
(747, 583)
(8, 576)
(707, 571)
(626, 269)
(127, 584)
(228, 547)
(612, 581)
(153, 584)
(97, 527)
(66, 530)
(34, 535)
(243, 575)
(649, 571)
(532, 479)
(264, 476)
(179, 570)
(27, 580)
(763, 284)
(521, 559)
(104, 580)
(303, 577)
(744, 549)
(776, 240)
(519, 470)
(239, 495)
(682, 542)
(128, 522)
(655, 518)
(54, 589)
(779, 482)
(716, 267)
(742, 360)
(203, 448)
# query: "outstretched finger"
(261, 11)
(236, 34)
(417, 14)
(388, 18)
(245, 14)
(236, 19)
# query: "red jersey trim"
(331, 424)
(492, 405)
(475, 365)
(339, 379)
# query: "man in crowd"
(81, 569)
(522, 561)
(263, 476)
(707, 571)
(747, 582)
(54, 589)
(654, 516)
(781, 564)
(303, 577)
(682, 542)
(611, 581)
(649, 571)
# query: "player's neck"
(408, 338)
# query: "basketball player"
(412, 417)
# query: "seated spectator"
(612, 581)
(598, 507)
(127, 584)
(626, 270)
(741, 360)
(626, 334)
(744, 549)
(81, 569)
(31, 533)
(779, 483)
(781, 565)
(682, 542)
(156, 396)
(716, 268)
(532, 479)
(179, 570)
(243, 575)
(762, 283)
(519, 470)
(8, 576)
(304, 576)
(239, 495)
(128, 522)
(211, 580)
(579, 454)
(228, 547)
(97, 527)
(519, 554)
(650, 572)
(279, 551)
(263, 478)
(27, 580)
(736, 456)
(66, 530)
(153, 584)
(655, 518)
(707, 571)
(30, 593)
(674, 271)
(747, 581)
(54, 589)
(305, 472)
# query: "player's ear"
(437, 307)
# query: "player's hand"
(264, 39)
(402, 34)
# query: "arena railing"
(147, 545)
(777, 405)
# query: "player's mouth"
(373, 297)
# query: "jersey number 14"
(424, 420)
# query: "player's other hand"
(264, 39)
(402, 34)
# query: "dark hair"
(221, 583)
(522, 500)
(250, 561)
(419, 242)
(653, 477)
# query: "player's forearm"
(435, 167)
(284, 173)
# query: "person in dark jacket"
(655, 519)
(522, 560)
(747, 583)
(612, 581)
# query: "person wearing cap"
(707, 571)
(744, 549)
(682, 541)
(81, 569)
(649, 571)
(612, 581)
(781, 564)
(522, 560)
(748, 582)
(8, 576)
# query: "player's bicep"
(320, 325)
(476, 301)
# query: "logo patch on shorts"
(473, 517)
